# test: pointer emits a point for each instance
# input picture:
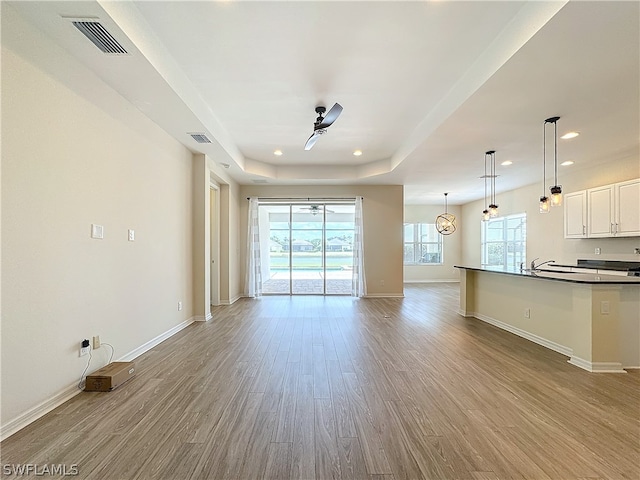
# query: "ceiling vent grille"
(200, 137)
(99, 36)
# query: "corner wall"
(69, 162)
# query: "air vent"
(200, 137)
(99, 36)
(258, 180)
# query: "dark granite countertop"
(573, 277)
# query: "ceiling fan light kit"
(322, 123)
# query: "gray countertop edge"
(585, 278)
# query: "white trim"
(384, 295)
(203, 318)
(465, 314)
(233, 300)
(71, 391)
(556, 347)
(596, 367)
(444, 280)
(155, 341)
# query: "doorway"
(307, 247)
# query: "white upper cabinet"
(607, 211)
(600, 219)
(627, 212)
(575, 214)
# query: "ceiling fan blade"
(311, 141)
(331, 116)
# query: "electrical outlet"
(132, 235)
(84, 351)
(382, 283)
(604, 307)
(527, 313)
(598, 251)
(179, 306)
(96, 342)
(636, 251)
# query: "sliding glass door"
(310, 248)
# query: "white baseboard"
(596, 367)
(203, 318)
(465, 314)
(556, 347)
(233, 300)
(384, 295)
(71, 391)
(155, 341)
(443, 280)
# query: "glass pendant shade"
(493, 210)
(545, 204)
(485, 215)
(556, 196)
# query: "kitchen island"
(592, 318)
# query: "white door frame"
(214, 199)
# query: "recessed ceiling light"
(567, 163)
(277, 152)
(507, 162)
(357, 153)
(569, 135)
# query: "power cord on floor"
(85, 370)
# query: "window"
(504, 243)
(422, 244)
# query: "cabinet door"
(575, 214)
(600, 220)
(627, 211)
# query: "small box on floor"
(109, 377)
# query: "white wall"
(68, 162)
(451, 245)
(545, 232)
(382, 213)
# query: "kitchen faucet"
(535, 267)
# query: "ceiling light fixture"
(569, 135)
(567, 163)
(277, 153)
(493, 206)
(545, 202)
(556, 190)
(446, 222)
(357, 153)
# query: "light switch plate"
(97, 231)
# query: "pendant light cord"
(544, 160)
(555, 153)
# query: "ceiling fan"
(315, 209)
(322, 123)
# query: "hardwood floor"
(335, 387)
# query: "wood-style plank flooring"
(336, 387)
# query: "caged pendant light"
(556, 190)
(446, 222)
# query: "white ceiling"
(427, 87)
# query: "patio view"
(307, 248)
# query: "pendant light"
(446, 222)
(485, 212)
(545, 202)
(493, 207)
(556, 190)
